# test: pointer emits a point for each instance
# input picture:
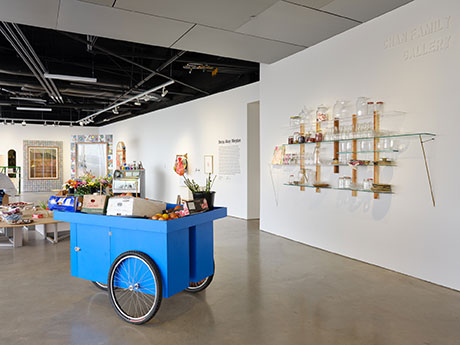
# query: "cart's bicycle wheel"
(201, 285)
(135, 287)
(100, 286)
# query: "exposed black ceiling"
(123, 70)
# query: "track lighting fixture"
(137, 102)
(81, 123)
(45, 124)
(12, 123)
(23, 123)
(164, 92)
(115, 111)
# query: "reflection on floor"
(267, 290)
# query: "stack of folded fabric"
(378, 187)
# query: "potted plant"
(204, 192)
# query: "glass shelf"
(335, 165)
(336, 188)
(371, 151)
(311, 125)
(400, 135)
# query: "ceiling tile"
(363, 10)
(225, 14)
(100, 2)
(36, 13)
(311, 3)
(296, 24)
(231, 44)
(81, 17)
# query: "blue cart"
(140, 261)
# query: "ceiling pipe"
(136, 64)
(36, 60)
(151, 75)
(92, 116)
(26, 61)
(30, 62)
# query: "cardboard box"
(134, 207)
(66, 204)
(96, 204)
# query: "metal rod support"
(427, 170)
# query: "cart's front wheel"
(100, 286)
(134, 286)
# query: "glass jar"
(296, 137)
(370, 109)
(321, 113)
(361, 106)
(301, 139)
(367, 183)
(319, 137)
(340, 110)
(341, 183)
(347, 182)
(379, 108)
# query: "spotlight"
(164, 92)
(12, 123)
(71, 124)
(54, 124)
(115, 111)
(4, 122)
(81, 123)
(137, 102)
(24, 123)
(45, 124)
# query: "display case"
(129, 181)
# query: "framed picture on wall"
(208, 164)
(43, 163)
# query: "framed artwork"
(209, 164)
(43, 163)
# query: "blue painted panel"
(93, 259)
(201, 251)
(178, 273)
(73, 253)
(151, 243)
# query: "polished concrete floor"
(267, 290)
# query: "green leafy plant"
(209, 183)
(195, 188)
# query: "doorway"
(254, 160)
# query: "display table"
(113, 250)
(42, 225)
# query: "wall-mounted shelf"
(424, 136)
(379, 143)
(337, 188)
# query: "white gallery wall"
(193, 128)
(12, 137)
(409, 58)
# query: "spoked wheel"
(135, 288)
(100, 286)
(201, 285)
